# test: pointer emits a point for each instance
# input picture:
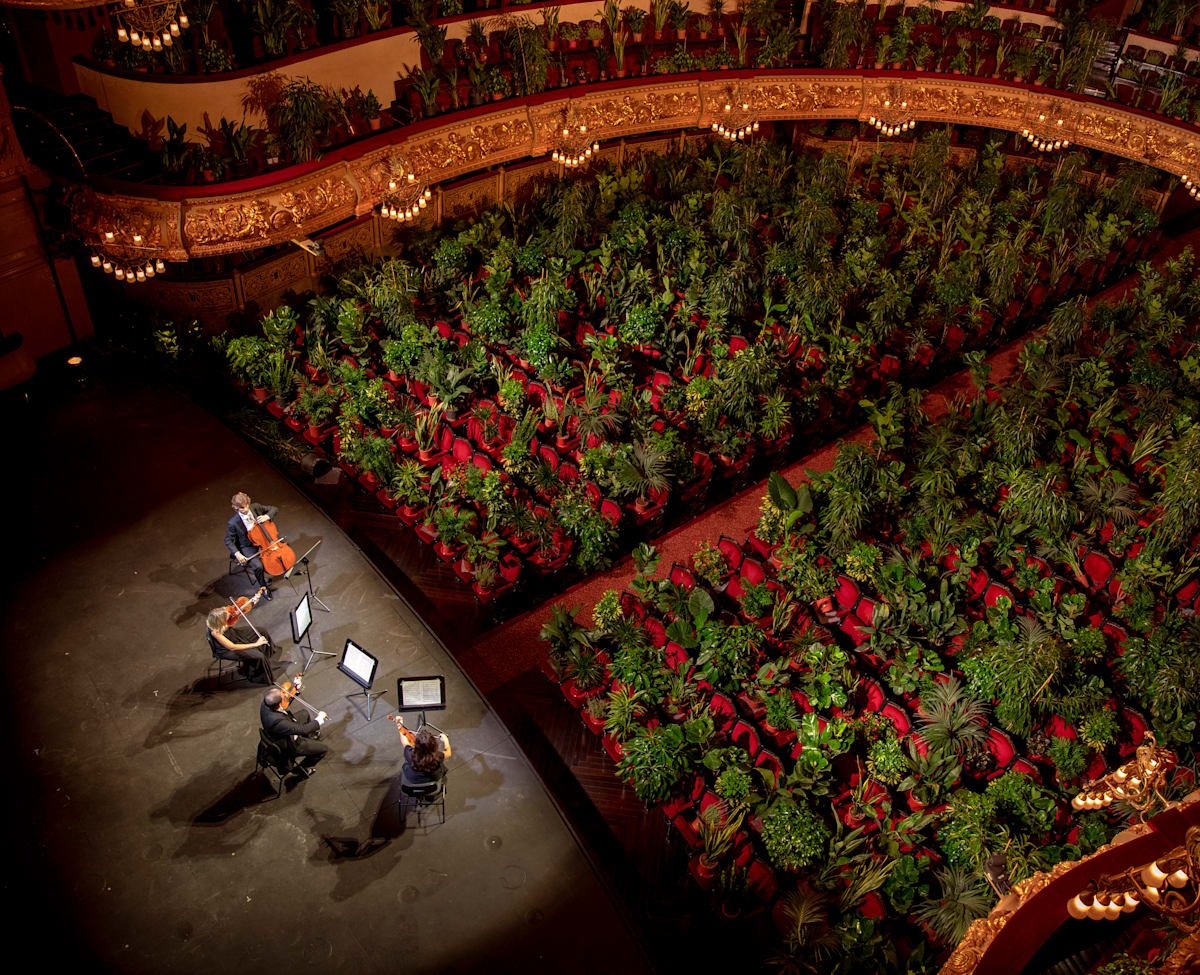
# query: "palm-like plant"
(643, 471)
(810, 942)
(961, 902)
(952, 720)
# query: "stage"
(145, 841)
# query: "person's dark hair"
(273, 698)
(427, 752)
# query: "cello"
(276, 555)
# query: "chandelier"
(1137, 782)
(124, 251)
(1046, 133)
(575, 146)
(1169, 886)
(150, 24)
(127, 269)
(736, 122)
(405, 197)
(893, 117)
(1191, 186)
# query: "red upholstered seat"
(897, 717)
(760, 879)
(865, 610)
(1098, 569)
(994, 591)
(732, 551)
(874, 691)
(847, 593)
(752, 572)
(852, 627)
(724, 712)
(1001, 747)
(674, 654)
(745, 736)
(682, 577)
(1060, 729)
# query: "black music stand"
(301, 617)
(421, 694)
(360, 667)
(301, 566)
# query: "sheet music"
(422, 693)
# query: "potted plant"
(428, 432)
(794, 836)
(710, 565)
(635, 17)
(370, 110)
(717, 827)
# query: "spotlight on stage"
(77, 372)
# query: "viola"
(291, 692)
(277, 556)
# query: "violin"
(276, 555)
(291, 692)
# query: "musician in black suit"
(293, 732)
(237, 537)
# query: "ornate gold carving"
(275, 276)
(453, 151)
(469, 198)
(257, 220)
(195, 297)
(794, 98)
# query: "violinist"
(425, 754)
(246, 515)
(251, 650)
(296, 733)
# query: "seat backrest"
(426, 791)
(272, 752)
(212, 643)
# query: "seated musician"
(237, 539)
(240, 643)
(425, 754)
(295, 733)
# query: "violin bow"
(242, 614)
(297, 697)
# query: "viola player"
(296, 733)
(246, 514)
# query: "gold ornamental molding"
(219, 223)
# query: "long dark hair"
(427, 752)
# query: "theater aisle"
(143, 839)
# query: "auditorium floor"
(144, 840)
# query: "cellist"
(246, 515)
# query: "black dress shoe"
(267, 594)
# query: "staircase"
(68, 135)
(1104, 70)
(1079, 947)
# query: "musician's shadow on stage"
(341, 846)
(231, 837)
(204, 695)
